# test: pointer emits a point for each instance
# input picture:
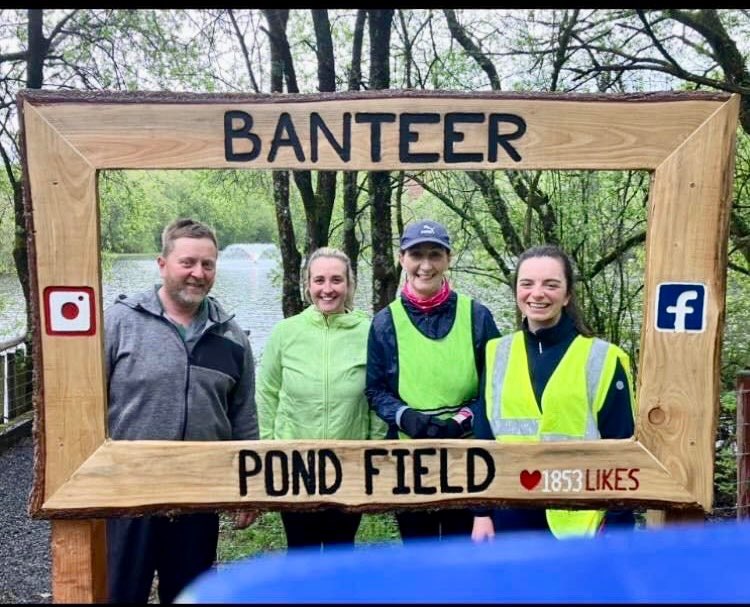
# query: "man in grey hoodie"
(178, 368)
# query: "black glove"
(419, 425)
(414, 423)
(454, 427)
(441, 428)
(450, 428)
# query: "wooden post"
(79, 564)
(742, 385)
(27, 392)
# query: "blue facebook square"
(681, 307)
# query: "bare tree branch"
(245, 52)
(561, 55)
(615, 253)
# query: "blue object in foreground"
(682, 564)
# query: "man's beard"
(184, 296)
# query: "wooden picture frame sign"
(686, 139)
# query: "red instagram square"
(69, 311)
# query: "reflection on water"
(247, 284)
(244, 286)
(12, 308)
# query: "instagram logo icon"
(69, 310)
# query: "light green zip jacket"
(312, 379)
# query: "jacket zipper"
(187, 380)
(325, 377)
(187, 377)
(188, 356)
(189, 365)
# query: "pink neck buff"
(425, 305)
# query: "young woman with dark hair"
(552, 380)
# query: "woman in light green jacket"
(311, 384)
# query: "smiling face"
(541, 291)
(425, 264)
(188, 271)
(328, 285)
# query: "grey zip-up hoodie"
(160, 391)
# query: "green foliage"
(128, 214)
(725, 467)
(735, 354)
(266, 534)
(377, 528)
(142, 49)
(136, 205)
(597, 214)
(7, 228)
(598, 217)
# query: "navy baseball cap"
(425, 231)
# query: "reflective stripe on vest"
(508, 355)
(436, 376)
(498, 358)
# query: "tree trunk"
(37, 50)
(35, 55)
(384, 272)
(351, 189)
(291, 298)
(317, 200)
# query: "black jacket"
(545, 349)
(382, 354)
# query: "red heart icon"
(529, 480)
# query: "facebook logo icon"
(681, 307)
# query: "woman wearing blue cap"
(425, 355)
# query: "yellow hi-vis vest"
(436, 376)
(571, 402)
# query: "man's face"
(189, 270)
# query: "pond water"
(245, 286)
(248, 284)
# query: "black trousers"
(322, 528)
(421, 524)
(178, 548)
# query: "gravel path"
(25, 561)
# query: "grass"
(266, 534)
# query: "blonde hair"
(351, 282)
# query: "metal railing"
(15, 379)
(742, 385)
